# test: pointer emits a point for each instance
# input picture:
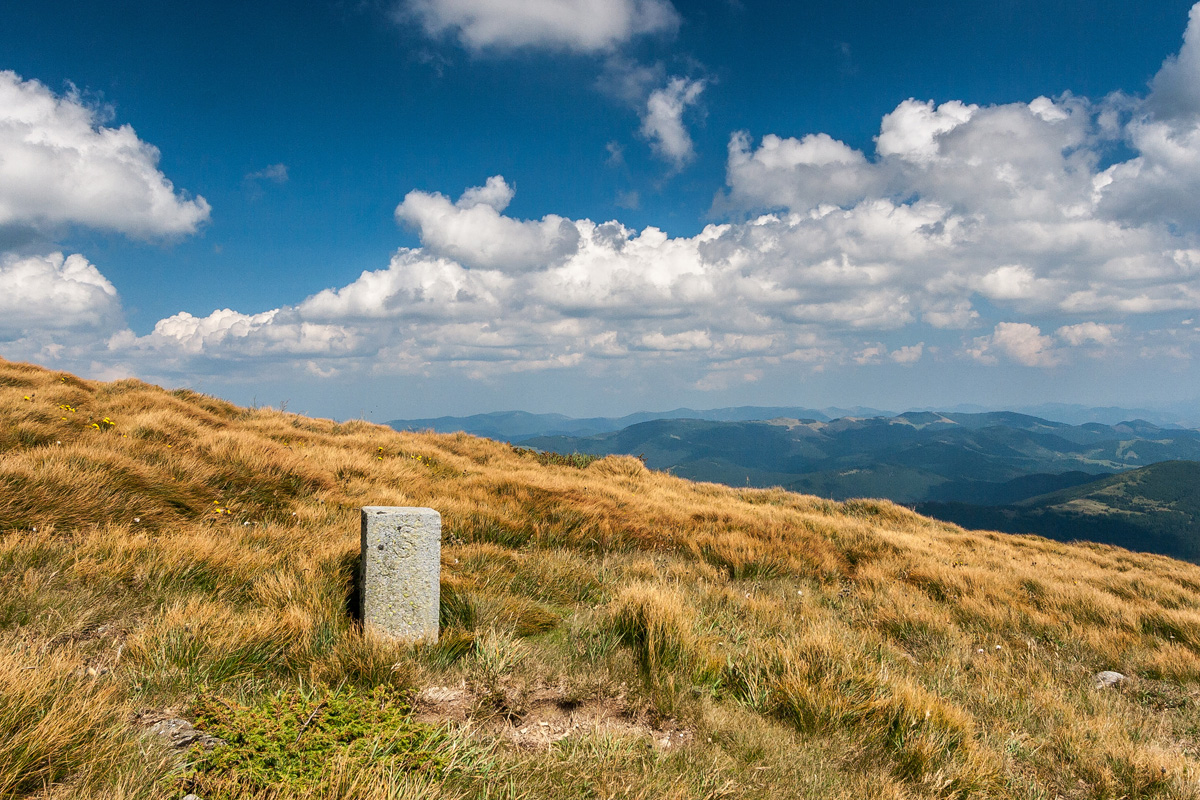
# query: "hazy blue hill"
(512, 426)
(671, 443)
(502, 425)
(1007, 419)
(1079, 423)
(1153, 509)
(1186, 415)
(881, 480)
(996, 494)
(922, 419)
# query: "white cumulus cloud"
(60, 165)
(275, 335)
(54, 293)
(960, 203)
(1085, 332)
(797, 173)
(476, 233)
(579, 25)
(1174, 91)
(909, 354)
(662, 119)
(1018, 341)
(911, 131)
(685, 340)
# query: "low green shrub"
(286, 743)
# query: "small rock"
(1108, 678)
(181, 735)
(191, 797)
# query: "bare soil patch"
(546, 715)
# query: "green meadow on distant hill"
(1155, 509)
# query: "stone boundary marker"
(400, 571)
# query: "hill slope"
(608, 631)
(1154, 509)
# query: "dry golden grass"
(160, 547)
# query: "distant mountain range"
(1154, 509)
(515, 426)
(1182, 416)
(1130, 482)
(997, 457)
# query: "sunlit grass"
(173, 552)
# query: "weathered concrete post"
(401, 570)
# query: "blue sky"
(426, 207)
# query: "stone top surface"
(417, 510)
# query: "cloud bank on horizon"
(984, 220)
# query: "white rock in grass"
(1108, 678)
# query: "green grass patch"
(548, 459)
(286, 744)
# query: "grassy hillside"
(1155, 509)
(608, 631)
